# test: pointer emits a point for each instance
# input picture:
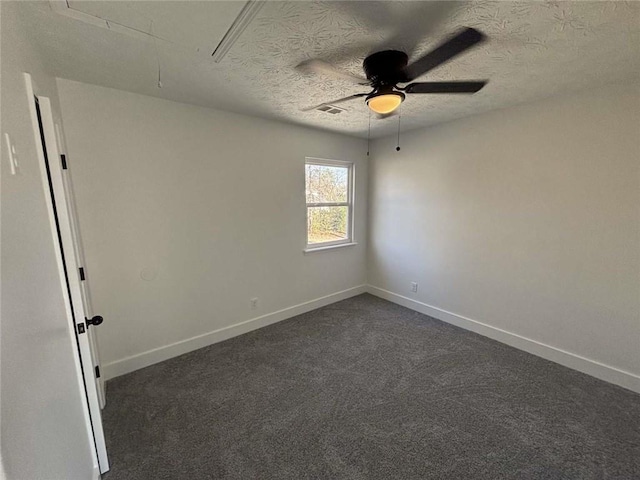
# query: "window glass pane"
(327, 184)
(327, 224)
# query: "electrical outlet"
(254, 303)
(414, 287)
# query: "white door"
(75, 271)
(82, 269)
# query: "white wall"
(211, 201)
(525, 219)
(43, 434)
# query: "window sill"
(328, 247)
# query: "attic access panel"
(199, 25)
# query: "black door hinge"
(81, 273)
(97, 371)
(63, 158)
(81, 328)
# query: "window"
(329, 190)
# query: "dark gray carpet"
(365, 389)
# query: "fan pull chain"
(369, 134)
(398, 144)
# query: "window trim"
(350, 204)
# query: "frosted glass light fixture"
(385, 101)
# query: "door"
(85, 323)
(79, 255)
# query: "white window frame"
(350, 204)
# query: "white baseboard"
(150, 357)
(585, 365)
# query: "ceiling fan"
(386, 69)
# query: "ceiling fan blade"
(463, 40)
(333, 102)
(324, 68)
(419, 21)
(445, 87)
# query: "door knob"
(97, 320)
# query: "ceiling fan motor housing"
(386, 67)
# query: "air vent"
(330, 109)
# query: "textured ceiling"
(535, 50)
